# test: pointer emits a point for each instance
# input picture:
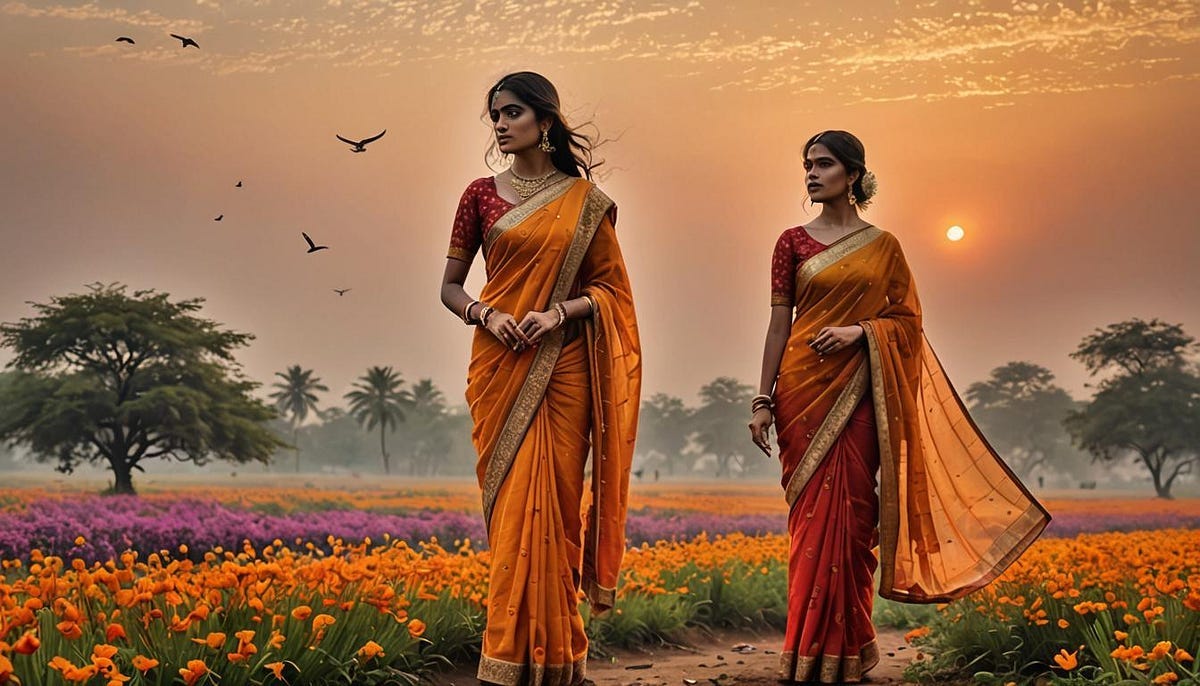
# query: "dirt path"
(708, 660)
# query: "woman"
(853, 386)
(555, 373)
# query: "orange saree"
(537, 414)
(949, 515)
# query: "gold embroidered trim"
(595, 205)
(457, 253)
(521, 211)
(889, 508)
(831, 255)
(599, 595)
(505, 673)
(777, 299)
(833, 668)
(832, 427)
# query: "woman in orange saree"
(854, 388)
(555, 375)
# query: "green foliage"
(109, 376)
(720, 424)
(378, 399)
(1021, 410)
(663, 430)
(294, 397)
(1149, 405)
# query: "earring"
(545, 146)
(850, 196)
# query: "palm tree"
(377, 399)
(427, 436)
(295, 398)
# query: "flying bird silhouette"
(238, 184)
(218, 218)
(361, 146)
(186, 41)
(313, 247)
(341, 291)
(124, 39)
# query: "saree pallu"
(951, 516)
(537, 414)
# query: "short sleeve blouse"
(478, 210)
(791, 250)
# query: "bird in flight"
(341, 291)
(124, 39)
(218, 218)
(186, 41)
(361, 146)
(313, 247)
(238, 184)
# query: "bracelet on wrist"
(562, 314)
(466, 313)
(485, 314)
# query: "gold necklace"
(527, 187)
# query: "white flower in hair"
(869, 187)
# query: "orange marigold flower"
(416, 628)
(1182, 655)
(214, 640)
(919, 632)
(1063, 624)
(1165, 678)
(27, 644)
(80, 540)
(1160, 650)
(1067, 661)
(144, 664)
(1131, 619)
(302, 612)
(370, 650)
(104, 650)
(6, 669)
(69, 630)
(1120, 635)
(114, 631)
(321, 621)
(276, 668)
(192, 673)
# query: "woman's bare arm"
(777, 337)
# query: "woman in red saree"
(854, 388)
(555, 375)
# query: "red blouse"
(791, 250)
(478, 210)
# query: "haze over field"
(1057, 135)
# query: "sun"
(955, 233)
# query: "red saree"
(951, 516)
(537, 414)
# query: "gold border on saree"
(595, 205)
(507, 673)
(831, 427)
(523, 210)
(834, 253)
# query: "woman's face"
(514, 123)
(826, 177)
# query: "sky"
(1059, 135)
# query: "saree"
(537, 416)
(949, 516)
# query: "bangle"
(591, 305)
(466, 313)
(761, 401)
(486, 314)
(562, 314)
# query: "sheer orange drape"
(952, 516)
(537, 414)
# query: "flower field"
(198, 584)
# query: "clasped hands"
(525, 334)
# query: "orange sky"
(1059, 136)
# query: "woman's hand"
(834, 338)
(760, 429)
(538, 324)
(504, 327)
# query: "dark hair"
(572, 150)
(848, 150)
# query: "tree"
(663, 429)
(1149, 407)
(297, 395)
(1021, 410)
(426, 428)
(720, 423)
(379, 400)
(106, 376)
